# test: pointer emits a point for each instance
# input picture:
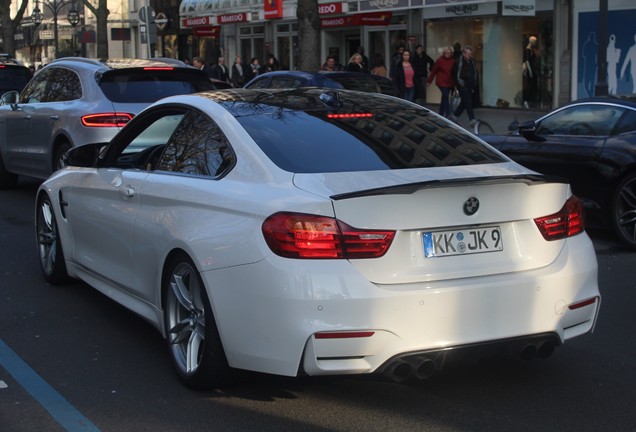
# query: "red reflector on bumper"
(343, 335)
(583, 303)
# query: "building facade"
(564, 35)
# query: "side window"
(582, 120)
(34, 91)
(64, 85)
(286, 82)
(197, 147)
(627, 123)
(262, 83)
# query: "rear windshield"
(146, 86)
(398, 138)
(360, 83)
(13, 78)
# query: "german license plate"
(462, 242)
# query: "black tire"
(624, 211)
(60, 151)
(7, 180)
(48, 243)
(191, 332)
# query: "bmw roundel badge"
(471, 206)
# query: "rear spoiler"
(409, 188)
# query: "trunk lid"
(432, 212)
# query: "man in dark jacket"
(220, 71)
(467, 79)
(422, 64)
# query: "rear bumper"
(269, 313)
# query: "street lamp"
(55, 6)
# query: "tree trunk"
(9, 25)
(101, 13)
(308, 35)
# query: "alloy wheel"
(185, 318)
(48, 243)
(625, 211)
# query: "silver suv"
(75, 101)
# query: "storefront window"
(499, 48)
(287, 46)
(252, 43)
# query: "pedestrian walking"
(271, 63)
(422, 63)
(238, 73)
(199, 63)
(365, 59)
(330, 64)
(220, 70)
(253, 70)
(442, 73)
(466, 76)
(405, 76)
(355, 63)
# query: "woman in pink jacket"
(442, 72)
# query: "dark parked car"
(13, 75)
(592, 143)
(341, 80)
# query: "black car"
(364, 82)
(13, 76)
(592, 143)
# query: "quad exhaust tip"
(423, 367)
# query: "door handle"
(128, 192)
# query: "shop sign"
(335, 22)
(197, 21)
(518, 8)
(458, 10)
(374, 18)
(383, 4)
(46, 35)
(210, 31)
(232, 18)
(331, 8)
(273, 9)
(368, 19)
(161, 19)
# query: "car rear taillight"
(297, 235)
(567, 222)
(106, 119)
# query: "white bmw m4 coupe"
(319, 231)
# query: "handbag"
(455, 99)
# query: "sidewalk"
(498, 118)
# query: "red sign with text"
(232, 18)
(330, 8)
(196, 21)
(273, 9)
(210, 31)
(368, 19)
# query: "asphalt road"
(97, 367)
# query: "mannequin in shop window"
(531, 68)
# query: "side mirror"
(528, 131)
(85, 156)
(9, 98)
